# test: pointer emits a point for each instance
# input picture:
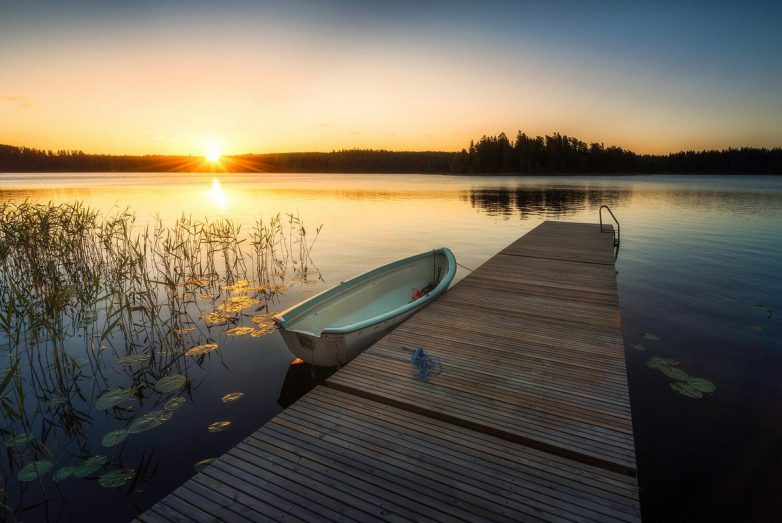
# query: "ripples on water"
(698, 269)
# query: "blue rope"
(426, 365)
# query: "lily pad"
(174, 403)
(656, 362)
(701, 384)
(237, 304)
(89, 466)
(649, 336)
(116, 478)
(113, 397)
(134, 359)
(239, 331)
(19, 440)
(263, 330)
(202, 349)
(233, 397)
(662, 360)
(216, 318)
(686, 390)
(34, 470)
(674, 373)
(238, 286)
(170, 383)
(115, 437)
(218, 426)
(63, 473)
(637, 346)
(150, 420)
(201, 465)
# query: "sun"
(212, 156)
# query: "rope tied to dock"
(427, 365)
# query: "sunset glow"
(156, 79)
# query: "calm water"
(699, 268)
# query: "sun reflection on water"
(218, 195)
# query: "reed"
(78, 288)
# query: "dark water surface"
(699, 268)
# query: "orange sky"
(180, 82)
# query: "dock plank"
(532, 349)
(530, 419)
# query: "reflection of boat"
(299, 380)
(333, 327)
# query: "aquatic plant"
(218, 426)
(116, 478)
(684, 384)
(97, 315)
(232, 397)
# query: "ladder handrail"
(616, 231)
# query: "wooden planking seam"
(459, 492)
(262, 492)
(477, 458)
(318, 466)
(545, 356)
(491, 357)
(620, 463)
(392, 435)
(516, 391)
(379, 368)
(342, 464)
(513, 422)
(543, 348)
(480, 442)
(495, 353)
(213, 503)
(510, 390)
(297, 486)
(177, 505)
(540, 327)
(505, 492)
(482, 446)
(284, 432)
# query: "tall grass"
(70, 276)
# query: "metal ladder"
(615, 230)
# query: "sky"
(233, 77)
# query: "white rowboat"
(334, 327)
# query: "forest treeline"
(555, 154)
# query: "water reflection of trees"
(544, 201)
(102, 318)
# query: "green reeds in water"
(99, 317)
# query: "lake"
(699, 279)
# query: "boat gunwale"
(301, 307)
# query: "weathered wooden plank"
(529, 421)
(559, 313)
(329, 410)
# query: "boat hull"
(334, 327)
(335, 349)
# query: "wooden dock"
(530, 419)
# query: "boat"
(335, 326)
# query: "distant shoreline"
(491, 155)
